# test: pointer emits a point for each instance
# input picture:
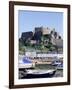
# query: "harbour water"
(59, 73)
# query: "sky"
(28, 20)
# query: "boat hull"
(46, 75)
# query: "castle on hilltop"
(42, 34)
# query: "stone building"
(57, 42)
(26, 35)
(46, 33)
(43, 30)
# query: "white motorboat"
(26, 63)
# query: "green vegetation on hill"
(42, 45)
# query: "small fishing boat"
(39, 73)
(59, 67)
(56, 63)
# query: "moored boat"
(56, 63)
(26, 63)
(59, 67)
(39, 73)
